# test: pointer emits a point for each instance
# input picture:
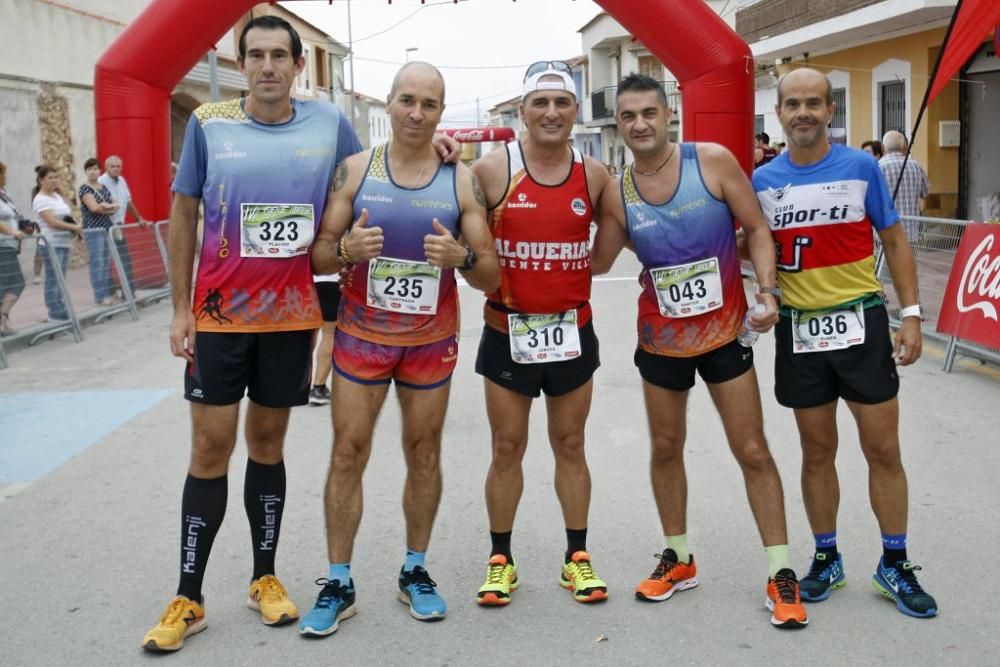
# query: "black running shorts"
(677, 373)
(555, 378)
(275, 367)
(329, 299)
(864, 373)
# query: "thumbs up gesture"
(441, 248)
(363, 242)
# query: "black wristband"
(470, 261)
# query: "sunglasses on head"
(547, 66)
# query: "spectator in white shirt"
(58, 229)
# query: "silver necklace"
(655, 171)
(420, 174)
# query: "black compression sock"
(203, 506)
(264, 500)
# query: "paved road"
(90, 533)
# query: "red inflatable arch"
(135, 77)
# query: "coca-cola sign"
(473, 135)
(980, 280)
(972, 299)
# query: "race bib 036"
(826, 330)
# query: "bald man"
(822, 202)
(914, 187)
(398, 223)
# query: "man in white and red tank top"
(538, 337)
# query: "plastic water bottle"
(748, 335)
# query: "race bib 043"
(541, 339)
(276, 231)
(690, 289)
(403, 286)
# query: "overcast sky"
(481, 46)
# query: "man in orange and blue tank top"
(398, 223)
(542, 194)
(822, 202)
(675, 207)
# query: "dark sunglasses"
(546, 66)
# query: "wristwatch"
(773, 291)
(915, 310)
(470, 261)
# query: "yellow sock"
(777, 559)
(679, 543)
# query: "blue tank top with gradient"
(405, 216)
(693, 225)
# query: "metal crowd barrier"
(36, 273)
(934, 242)
(102, 274)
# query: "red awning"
(975, 20)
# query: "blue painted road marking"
(41, 431)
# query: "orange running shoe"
(784, 602)
(668, 578)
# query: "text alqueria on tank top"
(542, 237)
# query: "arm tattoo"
(478, 191)
(340, 176)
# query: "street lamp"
(409, 49)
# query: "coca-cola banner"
(971, 306)
(474, 135)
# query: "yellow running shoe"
(270, 598)
(501, 580)
(182, 617)
(578, 576)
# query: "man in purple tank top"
(674, 206)
(398, 224)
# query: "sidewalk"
(90, 547)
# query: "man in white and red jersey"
(822, 202)
(542, 194)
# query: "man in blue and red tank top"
(674, 206)
(539, 336)
(398, 223)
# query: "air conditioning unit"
(949, 133)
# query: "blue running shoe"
(417, 589)
(334, 604)
(899, 584)
(826, 574)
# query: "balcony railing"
(603, 101)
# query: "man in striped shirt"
(915, 185)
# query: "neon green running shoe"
(501, 580)
(578, 576)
